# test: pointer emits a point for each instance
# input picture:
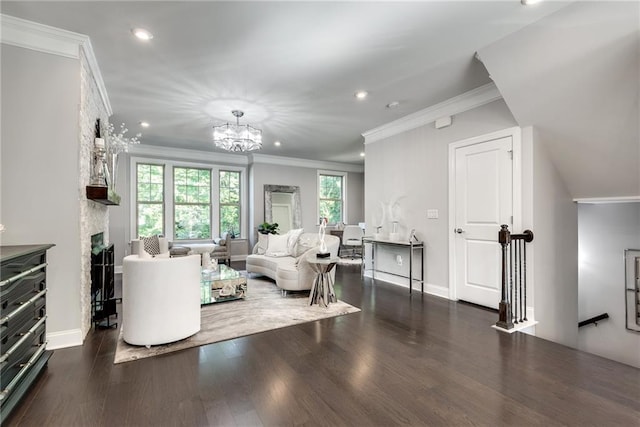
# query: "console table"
(411, 245)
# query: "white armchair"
(160, 299)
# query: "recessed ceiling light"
(362, 154)
(529, 2)
(277, 143)
(144, 124)
(393, 104)
(142, 34)
(361, 94)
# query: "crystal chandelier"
(237, 137)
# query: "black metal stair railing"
(513, 305)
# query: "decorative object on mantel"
(117, 143)
(237, 137)
(104, 167)
(99, 168)
(322, 251)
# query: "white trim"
(242, 257)
(436, 290)
(305, 163)
(526, 327)
(92, 62)
(344, 192)
(171, 153)
(63, 339)
(600, 200)
(458, 104)
(55, 41)
(117, 269)
(42, 38)
(516, 137)
(168, 205)
(429, 288)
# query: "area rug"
(264, 309)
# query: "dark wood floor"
(418, 361)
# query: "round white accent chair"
(160, 299)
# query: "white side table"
(322, 292)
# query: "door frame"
(516, 137)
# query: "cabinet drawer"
(11, 329)
(17, 265)
(16, 293)
(21, 355)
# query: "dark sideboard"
(23, 289)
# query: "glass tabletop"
(222, 284)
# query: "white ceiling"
(576, 78)
(293, 67)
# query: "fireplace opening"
(103, 301)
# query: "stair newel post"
(528, 238)
(506, 318)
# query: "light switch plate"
(432, 213)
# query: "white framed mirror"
(282, 206)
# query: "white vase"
(394, 236)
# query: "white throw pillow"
(277, 245)
(292, 240)
(305, 242)
(263, 243)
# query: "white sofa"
(292, 272)
(160, 299)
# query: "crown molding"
(456, 105)
(87, 49)
(55, 41)
(601, 200)
(187, 154)
(305, 163)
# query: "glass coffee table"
(223, 284)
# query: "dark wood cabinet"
(23, 289)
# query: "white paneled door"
(483, 201)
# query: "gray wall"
(555, 251)
(412, 169)
(604, 232)
(39, 174)
(307, 179)
(259, 174)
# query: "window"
(330, 199)
(191, 203)
(230, 202)
(149, 199)
(185, 200)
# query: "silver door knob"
(459, 230)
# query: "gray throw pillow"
(151, 245)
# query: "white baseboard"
(527, 327)
(63, 339)
(437, 290)
(429, 288)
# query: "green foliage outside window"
(192, 203)
(330, 199)
(150, 199)
(230, 202)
